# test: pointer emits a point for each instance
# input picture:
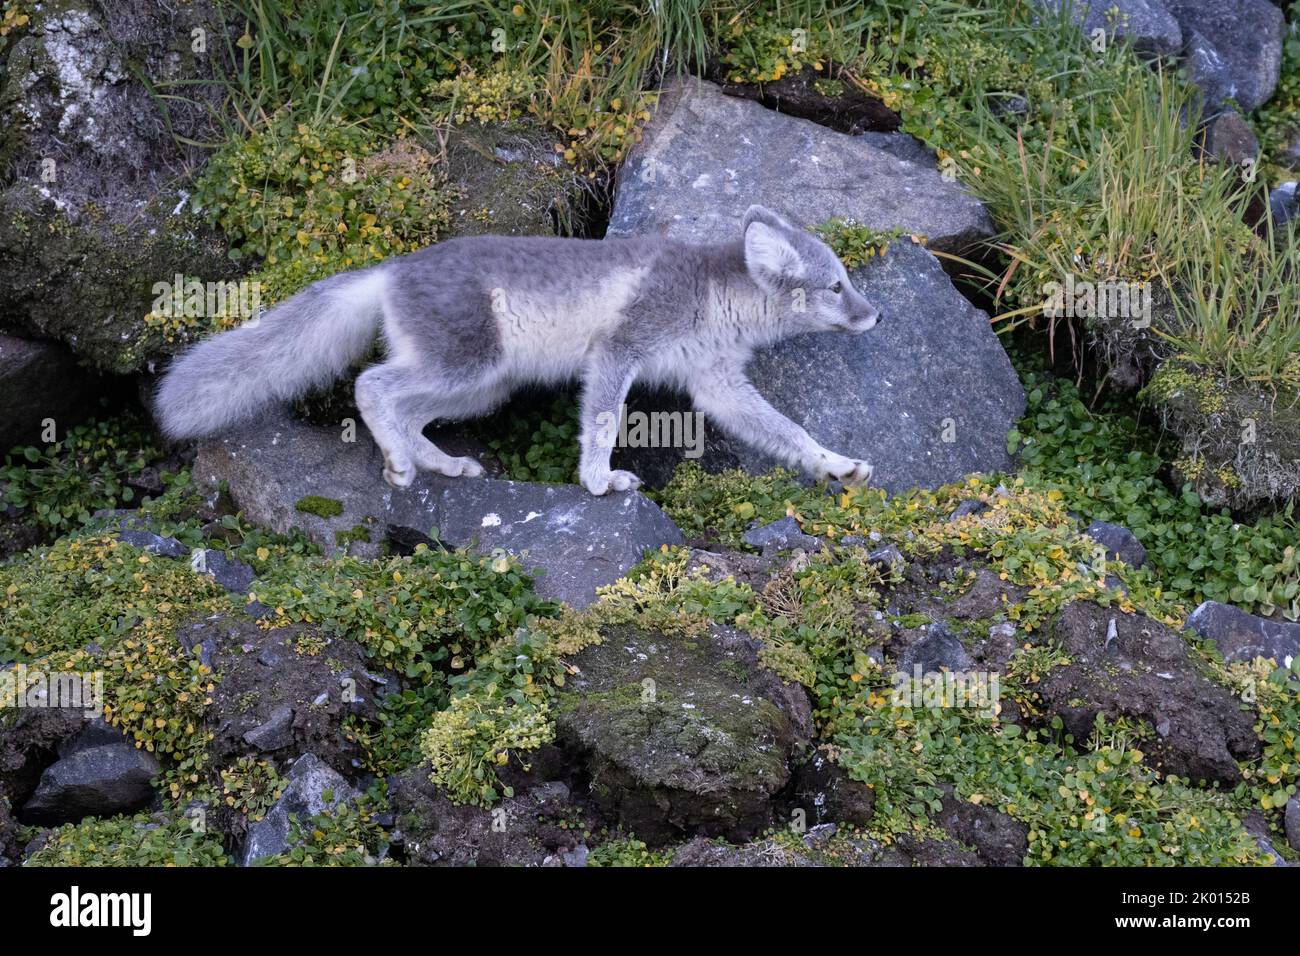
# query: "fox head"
(793, 265)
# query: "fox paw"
(398, 472)
(459, 468)
(605, 482)
(847, 471)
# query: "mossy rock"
(92, 200)
(682, 735)
(511, 182)
(1240, 444)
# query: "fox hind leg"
(396, 402)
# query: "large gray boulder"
(1147, 24)
(1241, 636)
(99, 773)
(927, 396)
(1232, 49)
(285, 474)
(705, 157)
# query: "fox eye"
(837, 288)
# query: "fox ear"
(762, 214)
(771, 259)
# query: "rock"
(682, 735)
(92, 164)
(39, 381)
(927, 396)
(904, 147)
(998, 839)
(1241, 636)
(1291, 821)
(577, 856)
(9, 848)
(167, 547)
(967, 508)
(887, 557)
(1257, 825)
(1147, 24)
(1283, 203)
(939, 649)
(781, 535)
(233, 575)
(99, 773)
(580, 541)
(523, 830)
(313, 788)
(1120, 543)
(29, 737)
(804, 94)
(1232, 49)
(280, 689)
(1143, 672)
(510, 180)
(1230, 140)
(275, 734)
(826, 794)
(705, 157)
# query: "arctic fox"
(467, 321)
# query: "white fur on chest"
(545, 336)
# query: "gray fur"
(468, 321)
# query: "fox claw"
(847, 471)
(611, 481)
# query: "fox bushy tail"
(303, 343)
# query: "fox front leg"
(604, 390)
(731, 400)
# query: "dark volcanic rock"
(39, 381)
(1144, 672)
(523, 830)
(781, 535)
(997, 839)
(1241, 636)
(1147, 24)
(286, 689)
(99, 773)
(682, 735)
(1232, 49)
(827, 794)
(92, 207)
(1120, 543)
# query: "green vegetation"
(140, 840)
(66, 481)
(855, 243)
(319, 506)
(1108, 468)
(251, 787)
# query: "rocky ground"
(302, 665)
